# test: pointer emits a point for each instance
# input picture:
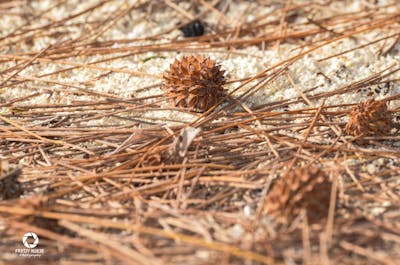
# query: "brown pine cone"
(306, 188)
(369, 118)
(10, 187)
(194, 82)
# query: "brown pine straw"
(103, 183)
(140, 229)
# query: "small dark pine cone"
(369, 118)
(305, 188)
(194, 82)
(193, 29)
(9, 185)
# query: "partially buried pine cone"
(305, 188)
(369, 118)
(194, 82)
(10, 187)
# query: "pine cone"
(304, 188)
(369, 118)
(194, 82)
(9, 184)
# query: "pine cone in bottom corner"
(10, 187)
(194, 82)
(306, 188)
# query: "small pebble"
(193, 29)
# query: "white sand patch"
(242, 63)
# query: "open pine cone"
(194, 82)
(306, 188)
(369, 118)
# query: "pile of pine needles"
(134, 192)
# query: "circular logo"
(28, 236)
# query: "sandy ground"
(118, 51)
(242, 63)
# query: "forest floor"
(97, 162)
